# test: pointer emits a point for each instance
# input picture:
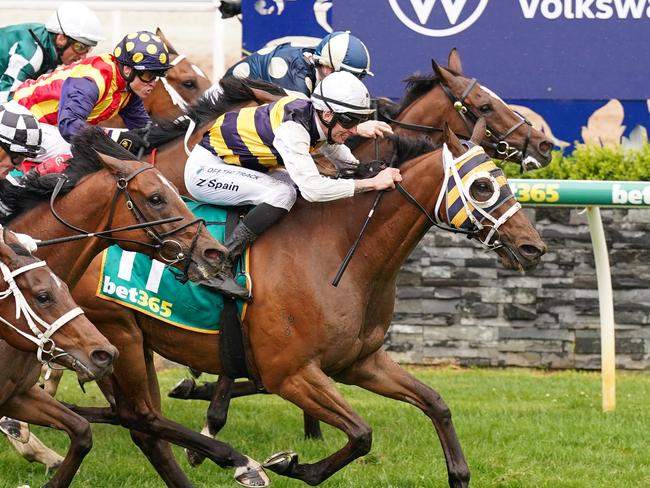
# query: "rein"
(169, 250)
(42, 339)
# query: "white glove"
(26, 241)
(373, 129)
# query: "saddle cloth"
(149, 286)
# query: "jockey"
(298, 69)
(96, 89)
(242, 159)
(30, 50)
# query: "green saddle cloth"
(149, 286)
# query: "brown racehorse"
(302, 330)
(107, 189)
(49, 328)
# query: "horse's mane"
(232, 93)
(85, 160)
(406, 148)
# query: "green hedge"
(589, 162)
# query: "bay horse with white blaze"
(303, 331)
(42, 324)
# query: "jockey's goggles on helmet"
(350, 120)
(149, 76)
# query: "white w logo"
(453, 9)
(424, 8)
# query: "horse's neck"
(79, 208)
(170, 161)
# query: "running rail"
(592, 195)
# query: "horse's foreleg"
(37, 407)
(312, 391)
(380, 374)
(33, 450)
(137, 400)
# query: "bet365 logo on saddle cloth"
(149, 286)
(438, 18)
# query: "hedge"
(590, 162)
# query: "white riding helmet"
(20, 132)
(342, 92)
(76, 21)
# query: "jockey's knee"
(283, 196)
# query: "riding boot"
(256, 221)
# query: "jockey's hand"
(385, 180)
(26, 241)
(128, 139)
(373, 129)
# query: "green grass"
(518, 428)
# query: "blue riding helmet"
(143, 51)
(344, 52)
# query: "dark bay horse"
(42, 324)
(106, 189)
(302, 330)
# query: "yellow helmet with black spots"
(143, 51)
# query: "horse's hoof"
(194, 458)
(281, 461)
(15, 429)
(182, 389)
(251, 475)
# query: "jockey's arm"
(78, 98)
(292, 143)
(134, 114)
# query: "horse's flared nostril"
(102, 358)
(214, 255)
(545, 147)
(531, 252)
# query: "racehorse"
(302, 330)
(105, 189)
(430, 100)
(42, 324)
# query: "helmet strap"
(329, 125)
(129, 78)
(60, 49)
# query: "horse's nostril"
(531, 252)
(102, 358)
(213, 254)
(545, 147)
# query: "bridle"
(474, 226)
(42, 338)
(169, 250)
(496, 141)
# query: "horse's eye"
(189, 84)
(486, 108)
(156, 199)
(481, 190)
(44, 298)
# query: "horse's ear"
(479, 131)
(441, 73)
(116, 166)
(7, 254)
(454, 61)
(170, 48)
(453, 143)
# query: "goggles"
(350, 120)
(149, 76)
(80, 47)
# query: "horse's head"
(38, 315)
(477, 200)
(183, 86)
(461, 101)
(147, 196)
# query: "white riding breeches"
(208, 179)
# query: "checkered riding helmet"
(19, 130)
(143, 51)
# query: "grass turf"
(518, 428)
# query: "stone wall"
(457, 305)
